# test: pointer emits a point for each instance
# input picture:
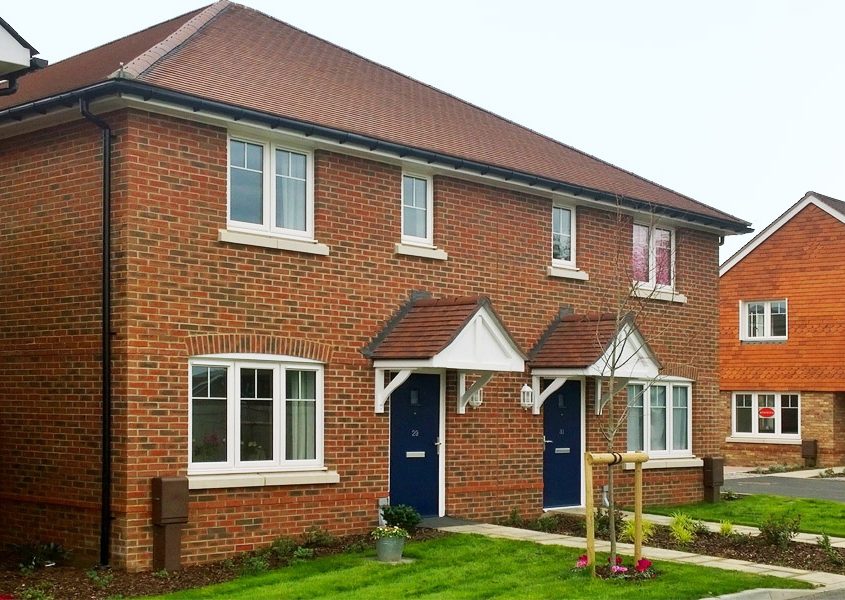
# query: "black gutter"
(148, 92)
(106, 437)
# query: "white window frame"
(767, 321)
(268, 225)
(652, 258)
(557, 262)
(279, 366)
(646, 398)
(428, 240)
(755, 434)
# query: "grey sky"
(738, 104)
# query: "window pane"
(561, 234)
(756, 315)
(300, 411)
(663, 256)
(635, 418)
(639, 257)
(680, 408)
(789, 414)
(247, 196)
(254, 157)
(237, 153)
(199, 382)
(414, 222)
(765, 424)
(420, 193)
(290, 203)
(257, 429)
(297, 165)
(208, 425)
(657, 415)
(778, 312)
(743, 413)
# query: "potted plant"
(390, 542)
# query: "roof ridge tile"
(135, 67)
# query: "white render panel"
(13, 56)
(481, 346)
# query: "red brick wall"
(178, 283)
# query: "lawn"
(471, 566)
(817, 516)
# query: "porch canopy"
(463, 334)
(603, 346)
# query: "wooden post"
(590, 516)
(613, 458)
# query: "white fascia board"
(775, 225)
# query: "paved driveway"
(825, 489)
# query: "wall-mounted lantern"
(526, 397)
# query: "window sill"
(233, 480)
(669, 463)
(761, 340)
(785, 441)
(421, 251)
(269, 241)
(567, 273)
(650, 293)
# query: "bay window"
(255, 415)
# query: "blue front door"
(414, 444)
(562, 441)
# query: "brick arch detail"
(233, 343)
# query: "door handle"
(437, 445)
(545, 441)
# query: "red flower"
(7, 597)
(618, 559)
(643, 564)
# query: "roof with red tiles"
(238, 56)
(426, 326)
(575, 341)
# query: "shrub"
(318, 538)
(778, 529)
(41, 554)
(301, 554)
(683, 528)
(730, 495)
(100, 577)
(603, 522)
(832, 553)
(401, 515)
(546, 524)
(627, 534)
(253, 564)
(726, 528)
(283, 548)
(39, 591)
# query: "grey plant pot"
(390, 549)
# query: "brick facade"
(178, 291)
(802, 262)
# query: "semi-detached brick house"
(782, 340)
(316, 265)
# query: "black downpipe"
(106, 471)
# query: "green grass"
(817, 516)
(471, 566)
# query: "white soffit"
(774, 226)
(13, 55)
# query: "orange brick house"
(781, 340)
(305, 284)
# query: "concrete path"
(830, 581)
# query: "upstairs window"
(270, 189)
(763, 320)
(563, 236)
(417, 210)
(255, 415)
(652, 258)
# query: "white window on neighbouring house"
(660, 418)
(270, 189)
(763, 320)
(766, 415)
(563, 236)
(417, 210)
(653, 256)
(257, 414)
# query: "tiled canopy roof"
(425, 327)
(574, 341)
(240, 57)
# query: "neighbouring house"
(239, 256)
(781, 342)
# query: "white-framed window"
(417, 210)
(766, 415)
(761, 320)
(271, 189)
(653, 256)
(255, 413)
(660, 418)
(563, 236)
